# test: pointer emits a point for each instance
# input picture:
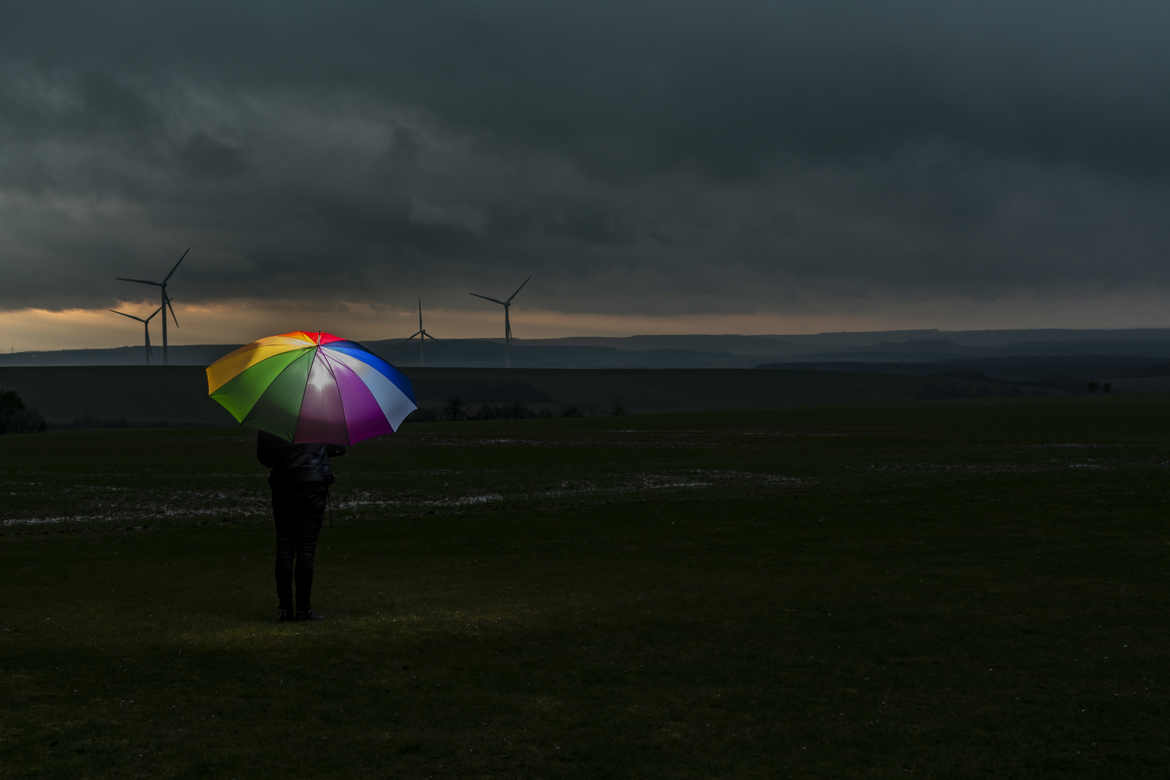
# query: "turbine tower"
(421, 334)
(507, 319)
(166, 301)
(145, 327)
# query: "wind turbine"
(166, 301)
(507, 320)
(145, 327)
(421, 334)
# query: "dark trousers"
(298, 508)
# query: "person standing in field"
(300, 477)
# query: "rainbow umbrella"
(311, 387)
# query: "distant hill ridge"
(691, 351)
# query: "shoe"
(285, 615)
(308, 614)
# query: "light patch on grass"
(140, 516)
(55, 520)
(769, 478)
(362, 499)
(249, 505)
(997, 468)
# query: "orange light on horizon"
(241, 321)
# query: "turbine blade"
(412, 335)
(124, 314)
(152, 314)
(429, 336)
(168, 276)
(518, 289)
(140, 281)
(486, 298)
(172, 308)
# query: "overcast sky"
(656, 166)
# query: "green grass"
(935, 590)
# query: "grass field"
(934, 590)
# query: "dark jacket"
(296, 462)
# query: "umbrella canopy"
(311, 387)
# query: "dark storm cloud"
(207, 156)
(745, 157)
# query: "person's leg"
(285, 516)
(312, 514)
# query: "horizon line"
(904, 331)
